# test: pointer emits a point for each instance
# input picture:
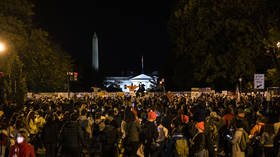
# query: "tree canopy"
(217, 42)
(32, 61)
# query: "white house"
(131, 83)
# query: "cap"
(200, 125)
(152, 116)
(185, 118)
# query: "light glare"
(2, 47)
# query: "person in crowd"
(4, 141)
(241, 115)
(162, 137)
(84, 122)
(276, 144)
(132, 134)
(255, 137)
(71, 137)
(212, 125)
(267, 140)
(198, 142)
(150, 134)
(177, 145)
(236, 139)
(22, 148)
(50, 135)
(109, 138)
(176, 109)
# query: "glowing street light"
(2, 47)
(278, 44)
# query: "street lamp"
(240, 80)
(2, 47)
(2, 50)
(278, 44)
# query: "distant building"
(132, 83)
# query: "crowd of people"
(210, 125)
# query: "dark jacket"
(72, 135)
(50, 132)
(198, 142)
(149, 133)
(133, 131)
(109, 136)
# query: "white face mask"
(20, 139)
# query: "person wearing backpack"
(198, 142)
(181, 147)
(162, 137)
(276, 143)
(149, 135)
(240, 140)
(177, 145)
(267, 140)
(212, 134)
(255, 136)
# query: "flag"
(142, 62)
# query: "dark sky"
(127, 29)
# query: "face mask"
(20, 139)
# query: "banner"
(259, 81)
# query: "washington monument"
(95, 60)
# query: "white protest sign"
(259, 81)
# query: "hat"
(152, 116)
(185, 118)
(200, 125)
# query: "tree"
(32, 61)
(13, 33)
(20, 9)
(14, 82)
(216, 42)
(46, 64)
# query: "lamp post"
(240, 81)
(2, 47)
(278, 44)
(2, 51)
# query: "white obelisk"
(95, 60)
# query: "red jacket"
(22, 150)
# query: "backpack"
(181, 147)
(244, 141)
(161, 136)
(149, 133)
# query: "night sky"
(126, 31)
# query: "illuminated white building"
(132, 82)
